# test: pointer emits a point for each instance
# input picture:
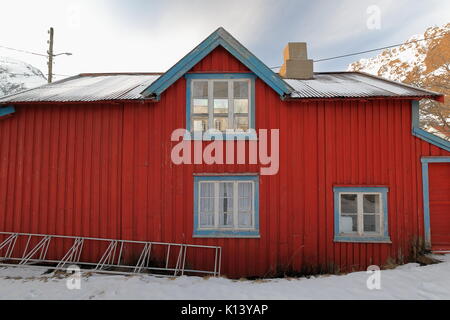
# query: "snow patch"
(405, 282)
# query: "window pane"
(241, 123)
(245, 220)
(207, 189)
(371, 203)
(372, 223)
(220, 90)
(221, 106)
(226, 203)
(245, 194)
(206, 204)
(200, 106)
(348, 224)
(221, 123)
(240, 105)
(240, 89)
(349, 203)
(200, 90)
(207, 219)
(200, 123)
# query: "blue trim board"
(223, 233)
(426, 194)
(4, 111)
(367, 239)
(435, 159)
(220, 37)
(225, 136)
(424, 135)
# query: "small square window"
(361, 214)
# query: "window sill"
(228, 136)
(254, 234)
(362, 239)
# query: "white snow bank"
(406, 282)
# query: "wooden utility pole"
(50, 56)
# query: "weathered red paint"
(104, 170)
(439, 191)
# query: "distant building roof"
(129, 86)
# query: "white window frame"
(360, 215)
(235, 227)
(231, 113)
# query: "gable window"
(220, 103)
(361, 214)
(226, 206)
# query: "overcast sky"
(144, 35)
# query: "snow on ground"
(409, 281)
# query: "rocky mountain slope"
(424, 64)
(16, 75)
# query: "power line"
(31, 75)
(371, 50)
(24, 51)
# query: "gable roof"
(128, 86)
(220, 37)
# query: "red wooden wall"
(439, 191)
(104, 170)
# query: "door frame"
(426, 194)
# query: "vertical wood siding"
(104, 170)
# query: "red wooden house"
(356, 182)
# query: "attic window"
(220, 103)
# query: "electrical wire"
(24, 51)
(371, 50)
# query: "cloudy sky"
(145, 35)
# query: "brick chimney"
(296, 64)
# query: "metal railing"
(171, 257)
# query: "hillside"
(424, 64)
(16, 75)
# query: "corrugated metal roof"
(352, 85)
(88, 87)
(128, 86)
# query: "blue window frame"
(361, 214)
(226, 206)
(220, 106)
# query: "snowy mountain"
(424, 64)
(16, 75)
